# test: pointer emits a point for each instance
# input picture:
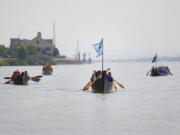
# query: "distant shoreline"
(57, 61)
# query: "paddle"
(170, 73)
(39, 76)
(35, 79)
(7, 77)
(148, 72)
(90, 83)
(8, 81)
(122, 86)
(115, 87)
(87, 86)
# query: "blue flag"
(155, 58)
(98, 48)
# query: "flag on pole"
(155, 58)
(98, 48)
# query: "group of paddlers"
(47, 66)
(17, 74)
(17, 77)
(161, 70)
(98, 75)
(23, 77)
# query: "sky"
(130, 28)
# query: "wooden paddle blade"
(7, 77)
(35, 79)
(8, 82)
(87, 86)
(170, 73)
(115, 88)
(90, 83)
(39, 76)
(122, 86)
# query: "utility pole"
(54, 35)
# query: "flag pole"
(156, 60)
(102, 64)
(102, 55)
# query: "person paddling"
(15, 74)
(93, 77)
(109, 77)
(26, 74)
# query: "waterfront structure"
(44, 46)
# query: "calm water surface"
(58, 106)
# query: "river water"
(57, 105)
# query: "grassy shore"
(8, 62)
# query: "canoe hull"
(155, 73)
(21, 80)
(102, 85)
(47, 72)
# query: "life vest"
(109, 78)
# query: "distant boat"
(47, 69)
(102, 81)
(101, 84)
(21, 80)
(159, 70)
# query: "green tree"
(31, 50)
(56, 52)
(31, 60)
(21, 51)
(3, 51)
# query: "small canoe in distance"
(155, 73)
(21, 80)
(160, 71)
(47, 72)
(102, 85)
(47, 69)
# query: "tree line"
(22, 54)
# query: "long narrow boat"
(158, 70)
(155, 72)
(47, 71)
(21, 80)
(102, 85)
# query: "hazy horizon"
(130, 29)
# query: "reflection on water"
(57, 105)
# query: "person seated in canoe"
(26, 74)
(159, 70)
(109, 77)
(49, 67)
(45, 65)
(168, 70)
(93, 77)
(15, 74)
(98, 74)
